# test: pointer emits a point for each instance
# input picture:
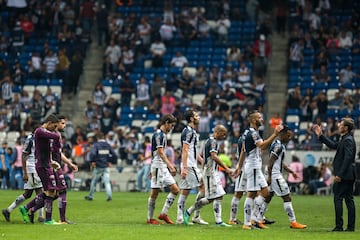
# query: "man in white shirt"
(179, 60)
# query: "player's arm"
(184, 158)
(48, 134)
(162, 155)
(23, 160)
(272, 160)
(266, 143)
(215, 157)
(200, 159)
(68, 162)
(240, 162)
(289, 170)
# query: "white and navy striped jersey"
(190, 137)
(253, 153)
(158, 141)
(210, 166)
(278, 150)
(240, 143)
(29, 148)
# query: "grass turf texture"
(125, 217)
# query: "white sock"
(199, 196)
(19, 199)
(290, 211)
(248, 204)
(217, 211)
(168, 202)
(181, 206)
(199, 204)
(234, 208)
(151, 208)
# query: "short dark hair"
(167, 118)
(52, 118)
(348, 122)
(250, 113)
(188, 115)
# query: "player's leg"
(18, 200)
(151, 206)
(95, 178)
(181, 204)
(197, 218)
(174, 190)
(291, 213)
(106, 179)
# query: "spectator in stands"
(126, 89)
(107, 122)
(50, 62)
(296, 166)
(243, 74)
(321, 59)
(102, 24)
(179, 60)
(128, 59)
(56, 18)
(309, 41)
(347, 103)
(356, 97)
(4, 44)
(27, 26)
(281, 17)
(87, 14)
(37, 106)
(306, 113)
(275, 120)
(262, 52)
(356, 45)
(114, 52)
(322, 75)
(78, 132)
(27, 124)
(157, 50)
(142, 93)
(345, 40)
(50, 102)
(168, 103)
(332, 129)
(324, 179)
(322, 105)
(99, 95)
(108, 69)
(203, 28)
(346, 74)
(333, 44)
(6, 85)
(315, 20)
(336, 102)
(200, 79)
(187, 31)
(132, 149)
(144, 172)
(62, 68)
(296, 54)
(185, 82)
(17, 39)
(156, 86)
(223, 25)
(295, 98)
(34, 65)
(144, 29)
(69, 16)
(167, 32)
(168, 12)
(233, 54)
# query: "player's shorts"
(213, 187)
(255, 180)
(161, 177)
(279, 186)
(240, 183)
(193, 179)
(33, 182)
(50, 179)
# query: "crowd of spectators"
(324, 66)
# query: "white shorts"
(193, 179)
(240, 183)
(213, 187)
(33, 182)
(279, 186)
(255, 180)
(161, 177)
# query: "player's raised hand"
(317, 129)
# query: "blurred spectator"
(145, 164)
(35, 65)
(346, 74)
(322, 59)
(203, 28)
(281, 17)
(296, 166)
(50, 62)
(6, 90)
(331, 129)
(102, 24)
(315, 20)
(167, 103)
(295, 98)
(305, 109)
(50, 102)
(99, 95)
(345, 40)
(17, 38)
(114, 52)
(243, 74)
(5, 167)
(322, 75)
(275, 120)
(187, 32)
(262, 52)
(156, 87)
(107, 122)
(333, 44)
(27, 26)
(233, 54)
(126, 89)
(157, 51)
(63, 65)
(128, 59)
(87, 14)
(222, 27)
(78, 133)
(112, 140)
(296, 54)
(179, 60)
(323, 180)
(132, 149)
(167, 32)
(322, 105)
(142, 93)
(37, 106)
(144, 29)
(200, 79)
(168, 12)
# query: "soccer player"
(253, 144)
(30, 177)
(190, 174)
(213, 188)
(58, 177)
(162, 171)
(278, 184)
(240, 182)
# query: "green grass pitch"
(125, 217)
